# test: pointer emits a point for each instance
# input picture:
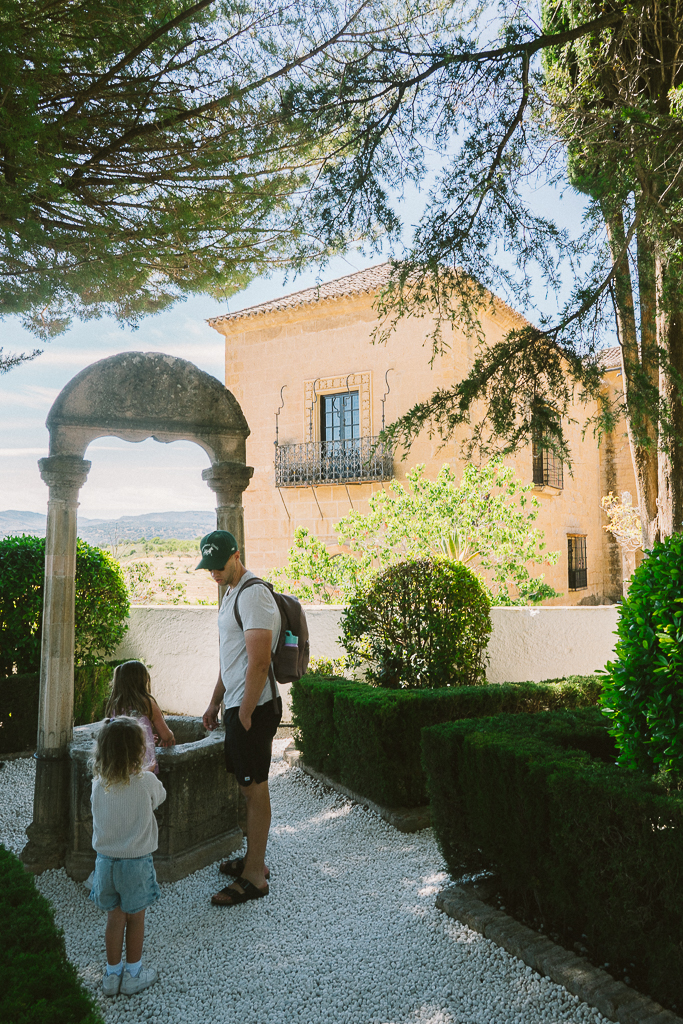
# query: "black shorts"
(247, 754)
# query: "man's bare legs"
(257, 797)
(133, 925)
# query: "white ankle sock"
(134, 969)
(115, 968)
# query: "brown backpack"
(289, 660)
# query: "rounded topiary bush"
(422, 623)
(101, 603)
(643, 693)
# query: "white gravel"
(348, 935)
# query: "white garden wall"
(180, 644)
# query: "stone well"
(198, 821)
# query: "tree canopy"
(147, 150)
(590, 99)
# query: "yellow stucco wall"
(331, 339)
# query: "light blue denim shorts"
(128, 883)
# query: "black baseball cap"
(216, 549)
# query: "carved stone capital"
(228, 480)
(64, 475)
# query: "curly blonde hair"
(119, 751)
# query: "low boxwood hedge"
(369, 738)
(594, 846)
(38, 985)
(19, 704)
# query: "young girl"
(125, 835)
(130, 695)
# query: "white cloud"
(31, 396)
(13, 452)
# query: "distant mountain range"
(182, 525)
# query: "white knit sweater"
(123, 822)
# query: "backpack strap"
(238, 619)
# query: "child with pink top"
(131, 695)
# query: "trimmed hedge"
(19, 696)
(595, 847)
(369, 738)
(38, 985)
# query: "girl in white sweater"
(125, 835)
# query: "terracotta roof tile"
(611, 357)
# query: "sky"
(133, 479)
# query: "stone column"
(47, 835)
(228, 480)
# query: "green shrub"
(313, 716)
(92, 686)
(594, 848)
(326, 667)
(101, 603)
(369, 738)
(423, 623)
(19, 713)
(38, 985)
(19, 704)
(644, 684)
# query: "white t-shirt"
(258, 611)
(123, 822)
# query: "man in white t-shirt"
(253, 707)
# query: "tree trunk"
(670, 340)
(642, 432)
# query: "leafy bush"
(594, 848)
(326, 667)
(420, 624)
(92, 686)
(369, 738)
(485, 519)
(38, 985)
(19, 712)
(644, 684)
(19, 704)
(101, 603)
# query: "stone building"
(316, 391)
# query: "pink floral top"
(150, 761)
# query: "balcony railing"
(355, 460)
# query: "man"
(250, 718)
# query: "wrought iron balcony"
(355, 460)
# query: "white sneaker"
(111, 984)
(131, 985)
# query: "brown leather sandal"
(234, 868)
(231, 897)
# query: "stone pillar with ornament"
(228, 480)
(47, 835)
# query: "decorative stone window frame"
(360, 382)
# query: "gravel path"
(348, 935)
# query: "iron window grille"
(346, 460)
(577, 563)
(547, 467)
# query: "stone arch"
(133, 395)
